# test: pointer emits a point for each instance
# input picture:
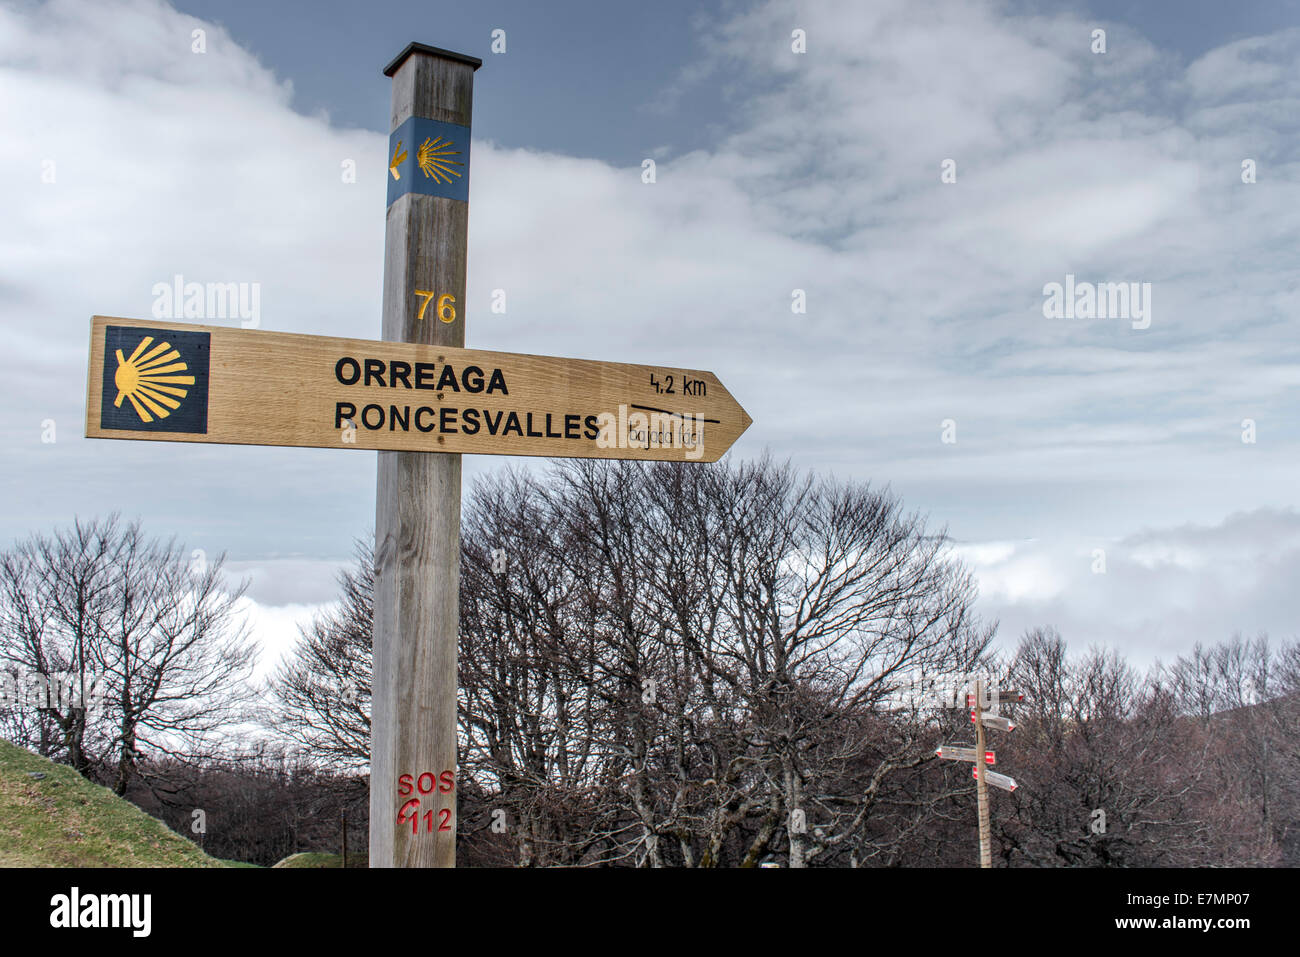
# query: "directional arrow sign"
(997, 780)
(995, 721)
(957, 752)
(399, 157)
(188, 383)
(1004, 697)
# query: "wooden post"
(981, 787)
(417, 513)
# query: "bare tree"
(1243, 692)
(529, 726)
(1102, 757)
(835, 597)
(160, 634)
(54, 592)
(692, 661)
(670, 665)
(323, 687)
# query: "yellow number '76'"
(446, 307)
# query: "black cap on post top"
(389, 70)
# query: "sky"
(923, 172)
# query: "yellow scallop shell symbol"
(435, 159)
(148, 380)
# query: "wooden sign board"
(1002, 781)
(178, 382)
(1004, 697)
(995, 721)
(957, 752)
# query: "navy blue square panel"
(428, 157)
(155, 380)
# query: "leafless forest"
(660, 666)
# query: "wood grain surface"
(276, 388)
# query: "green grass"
(63, 820)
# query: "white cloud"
(275, 630)
(924, 299)
(287, 581)
(1162, 588)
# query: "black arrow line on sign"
(649, 408)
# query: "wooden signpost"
(416, 392)
(983, 777)
(981, 787)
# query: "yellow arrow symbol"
(398, 155)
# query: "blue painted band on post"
(433, 159)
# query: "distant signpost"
(976, 700)
(417, 391)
